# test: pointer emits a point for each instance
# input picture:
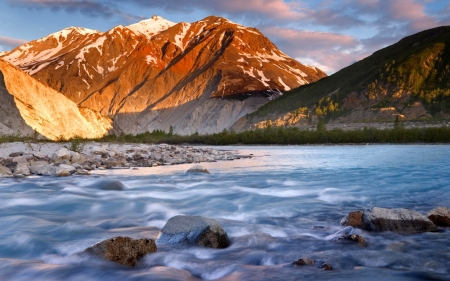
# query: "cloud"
(7, 43)
(90, 8)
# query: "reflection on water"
(283, 204)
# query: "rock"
(123, 250)
(46, 170)
(78, 158)
(353, 238)
(5, 172)
(64, 167)
(61, 154)
(108, 185)
(117, 161)
(20, 160)
(15, 154)
(195, 230)
(304, 261)
(198, 169)
(22, 169)
(440, 216)
(398, 220)
(320, 264)
(354, 219)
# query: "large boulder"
(381, 219)
(22, 169)
(116, 161)
(195, 230)
(64, 170)
(108, 184)
(123, 250)
(5, 172)
(78, 158)
(440, 216)
(60, 155)
(20, 160)
(198, 169)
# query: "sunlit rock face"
(27, 106)
(196, 77)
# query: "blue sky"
(324, 33)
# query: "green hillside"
(417, 68)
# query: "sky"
(324, 33)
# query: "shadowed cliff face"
(27, 106)
(140, 76)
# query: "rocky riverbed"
(64, 159)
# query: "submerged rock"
(195, 230)
(319, 264)
(198, 169)
(123, 250)
(398, 220)
(108, 185)
(440, 216)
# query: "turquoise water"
(281, 205)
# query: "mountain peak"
(151, 26)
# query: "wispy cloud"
(7, 43)
(90, 8)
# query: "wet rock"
(398, 220)
(15, 154)
(108, 185)
(351, 238)
(319, 264)
(64, 170)
(46, 170)
(123, 250)
(5, 172)
(304, 261)
(195, 230)
(440, 216)
(22, 169)
(354, 219)
(198, 169)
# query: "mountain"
(28, 106)
(409, 80)
(194, 77)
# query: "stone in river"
(398, 220)
(108, 185)
(22, 169)
(123, 250)
(195, 230)
(440, 216)
(198, 169)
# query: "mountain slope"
(410, 79)
(146, 76)
(27, 106)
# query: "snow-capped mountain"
(201, 76)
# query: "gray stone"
(117, 161)
(15, 154)
(20, 160)
(36, 165)
(64, 170)
(5, 172)
(22, 169)
(195, 230)
(78, 158)
(46, 170)
(398, 220)
(440, 216)
(61, 154)
(198, 169)
(123, 250)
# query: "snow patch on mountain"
(151, 27)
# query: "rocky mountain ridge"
(27, 107)
(194, 77)
(409, 80)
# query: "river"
(283, 204)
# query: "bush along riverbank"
(274, 135)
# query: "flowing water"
(281, 205)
